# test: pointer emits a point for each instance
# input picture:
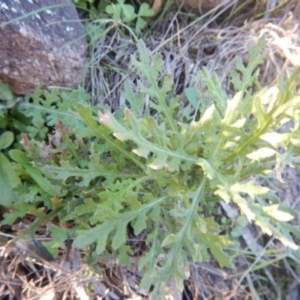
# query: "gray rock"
(42, 44)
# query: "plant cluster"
(160, 165)
(120, 11)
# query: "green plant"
(90, 6)
(161, 168)
(9, 178)
(122, 11)
(83, 3)
(32, 117)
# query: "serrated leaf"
(119, 237)
(244, 77)
(288, 107)
(201, 225)
(87, 117)
(222, 192)
(118, 224)
(250, 188)
(117, 192)
(276, 213)
(232, 112)
(276, 139)
(270, 97)
(66, 171)
(45, 108)
(239, 123)
(198, 256)
(207, 116)
(262, 153)
(8, 180)
(59, 234)
(35, 173)
(169, 240)
(162, 155)
(207, 168)
(139, 224)
(268, 228)
(88, 207)
(135, 101)
(10, 218)
(151, 67)
(244, 206)
(223, 258)
(87, 237)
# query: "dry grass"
(28, 271)
(187, 44)
(212, 40)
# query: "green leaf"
(207, 116)
(267, 227)
(114, 10)
(85, 113)
(192, 96)
(45, 108)
(151, 71)
(135, 101)
(10, 218)
(93, 171)
(232, 111)
(140, 224)
(119, 238)
(35, 173)
(279, 215)
(6, 139)
(276, 139)
(250, 188)
(243, 77)
(117, 224)
(163, 156)
(140, 24)
(121, 11)
(59, 234)
(262, 153)
(207, 168)
(145, 10)
(128, 13)
(288, 108)
(223, 258)
(169, 240)
(8, 181)
(5, 92)
(88, 237)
